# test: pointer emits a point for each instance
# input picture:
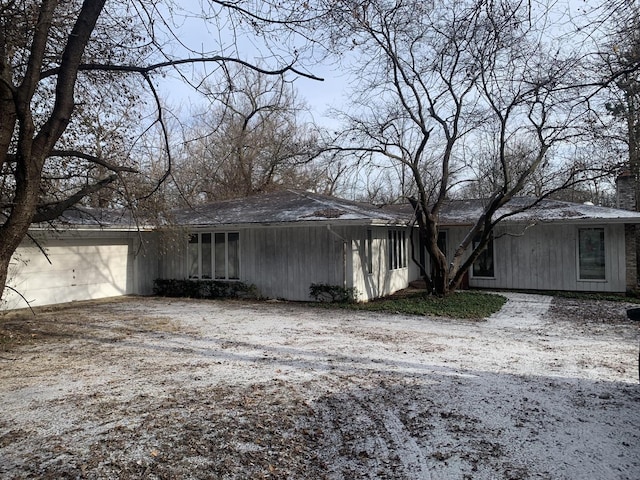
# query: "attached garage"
(77, 265)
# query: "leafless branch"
(146, 70)
(93, 159)
(21, 296)
(52, 211)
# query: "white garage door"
(80, 269)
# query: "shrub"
(322, 292)
(203, 289)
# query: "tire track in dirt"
(211, 392)
(363, 434)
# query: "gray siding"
(283, 261)
(145, 263)
(545, 257)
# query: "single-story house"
(283, 242)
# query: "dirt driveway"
(176, 389)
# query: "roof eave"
(298, 223)
(575, 221)
(93, 228)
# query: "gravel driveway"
(178, 389)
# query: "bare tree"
(438, 78)
(620, 62)
(251, 139)
(63, 65)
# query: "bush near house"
(322, 292)
(203, 289)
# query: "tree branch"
(21, 296)
(92, 159)
(145, 70)
(53, 211)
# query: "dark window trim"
(602, 253)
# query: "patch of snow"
(240, 390)
(522, 310)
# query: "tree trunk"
(17, 225)
(33, 147)
(439, 268)
(438, 281)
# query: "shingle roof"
(294, 206)
(291, 206)
(463, 212)
(97, 216)
(78, 217)
(288, 206)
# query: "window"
(397, 249)
(368, 252)
(206, 255)
(591, 256)
(483, 266)
(214, 256)
(442, 241)
(233, 255)
(193, 257)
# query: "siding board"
(546, 258)
(283, 261)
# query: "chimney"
(626, 191)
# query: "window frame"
(213, 256)
(490, 250)
(443, 242)
(397, 249)
(603, 254)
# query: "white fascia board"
(86, 228)
(308, 223)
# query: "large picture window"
(591, 254)
(483, 267)
(214, 256)
(397, 242)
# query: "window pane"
(442, 242)
(234, 255)
(220, 256)
(390, 249)
(591, 253)
(369, 251)
(395, 249)
(192, 257)
(483, 266)
(206, 255)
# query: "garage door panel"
(76, 272)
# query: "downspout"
(344, 256)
